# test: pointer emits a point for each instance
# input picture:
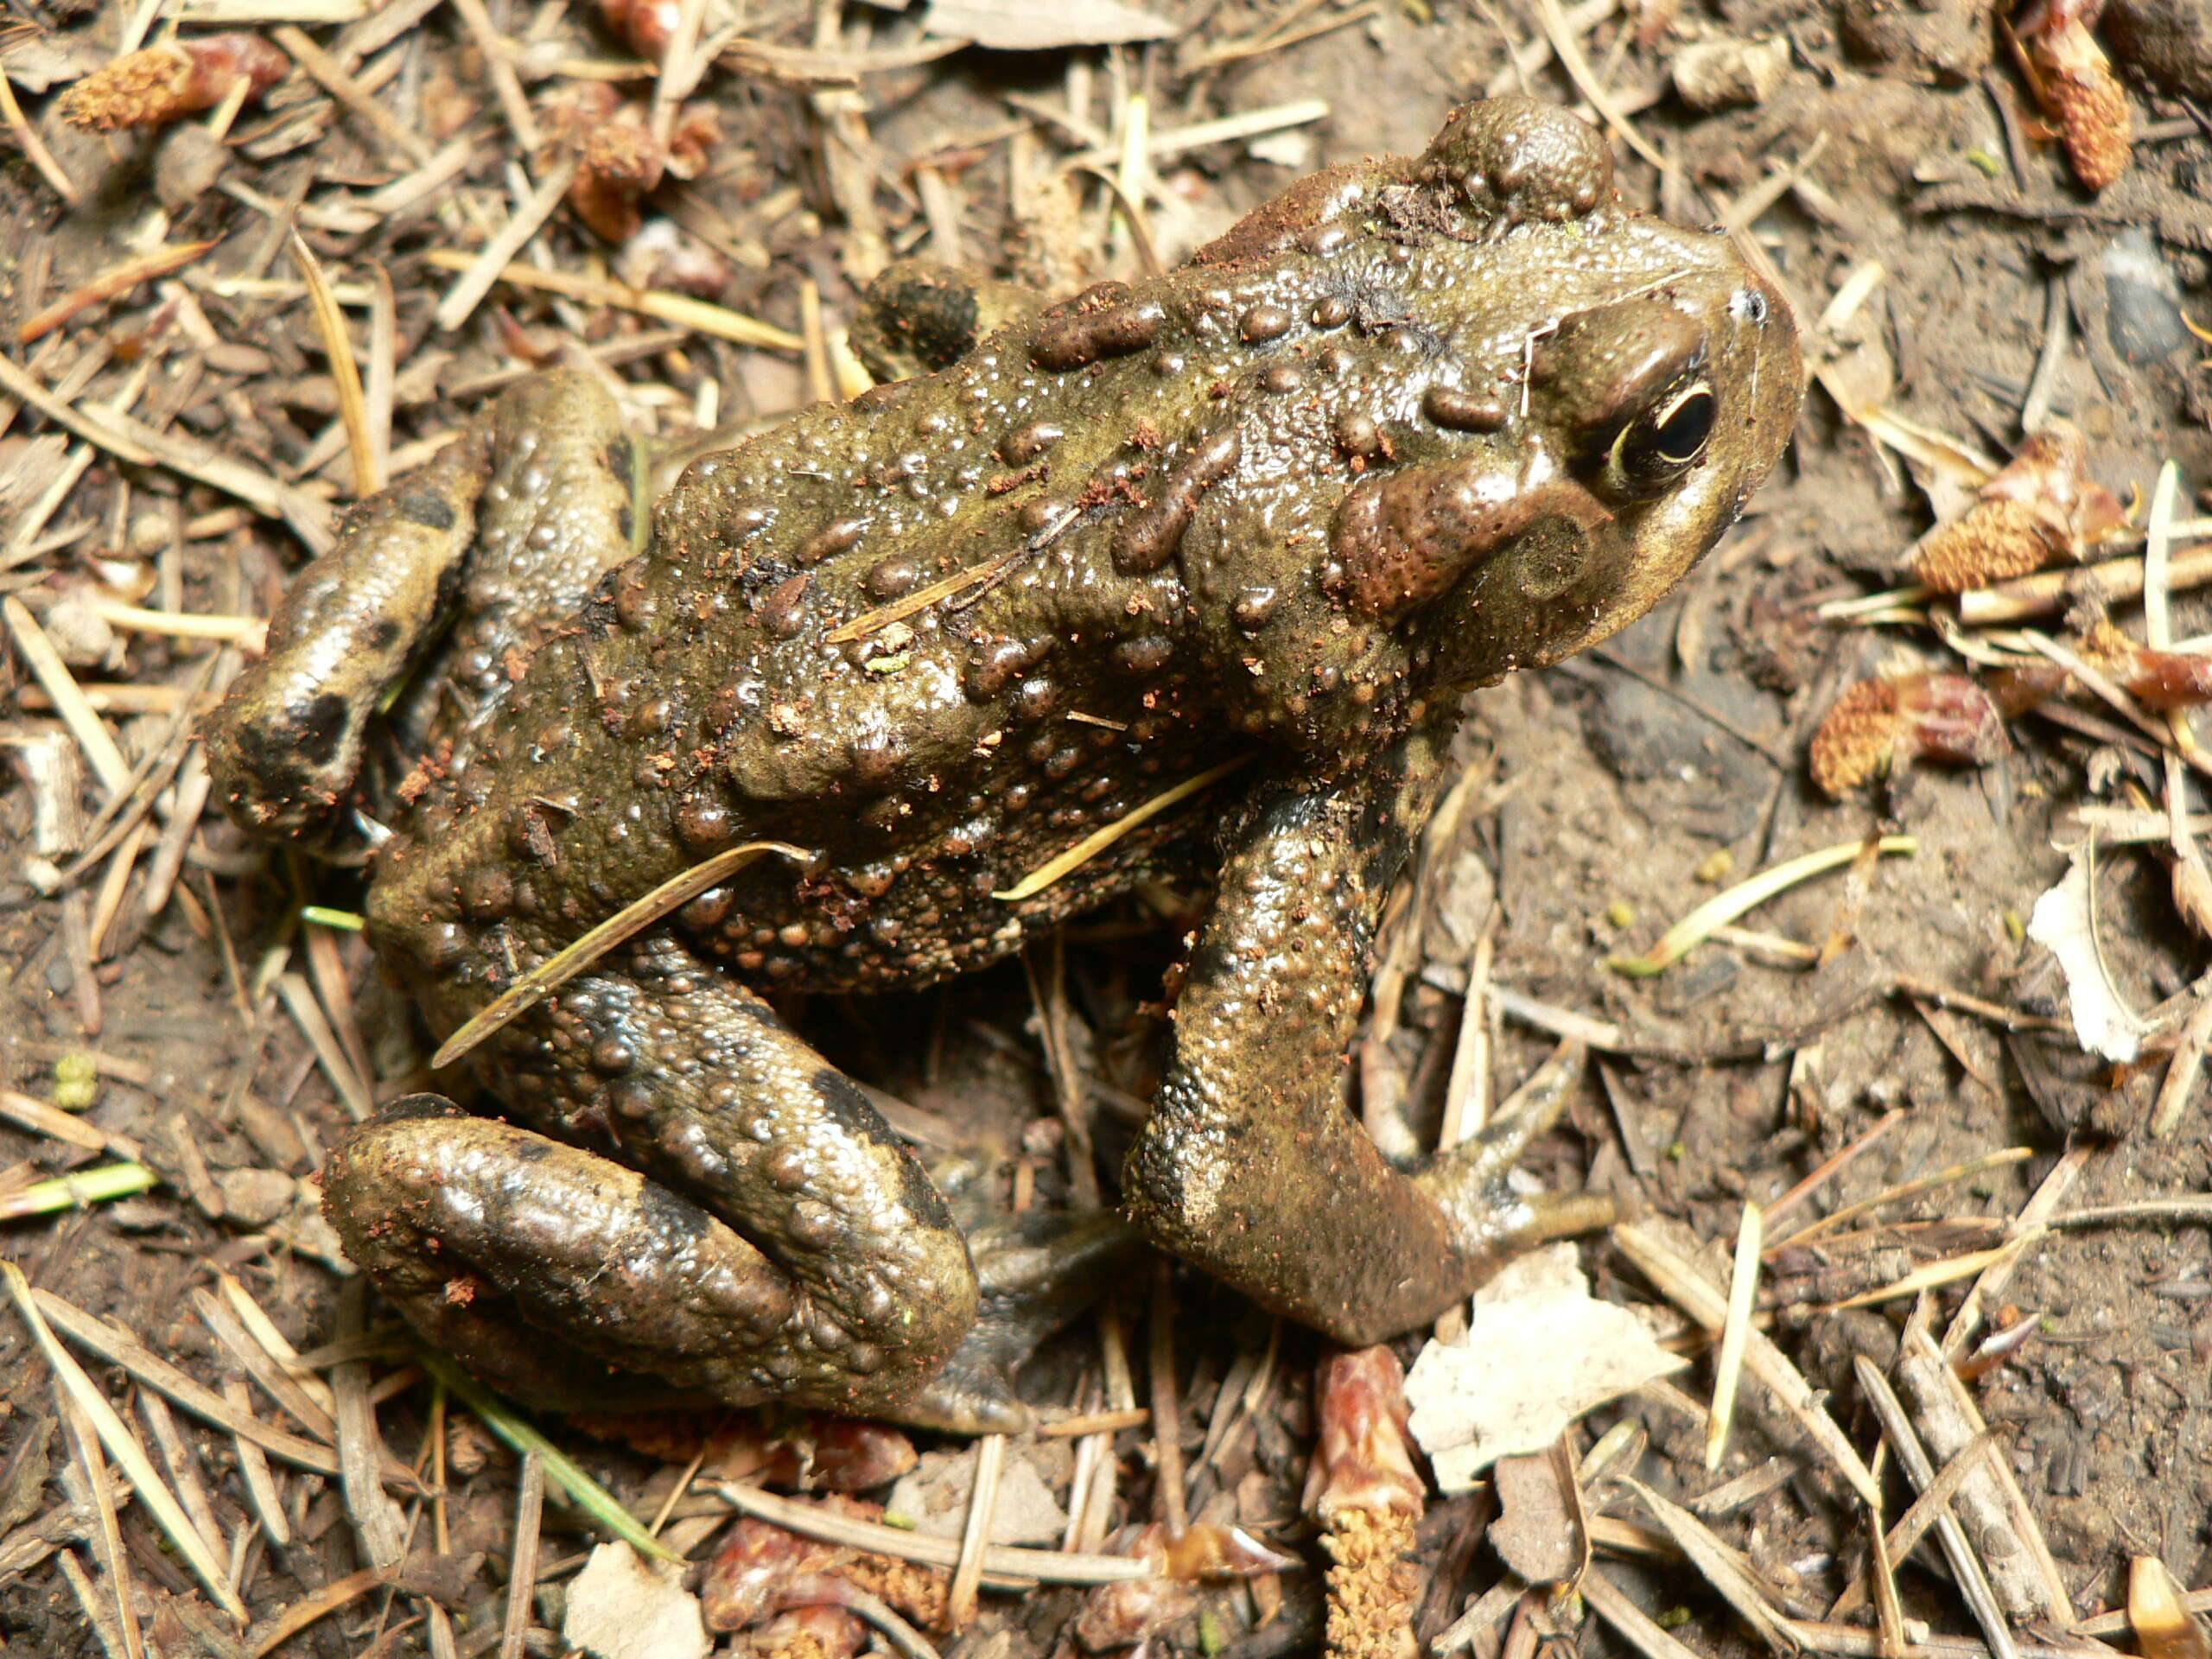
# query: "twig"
(1041, 1566)
(117, 279)
(505, 82)
(716, 321)
(2027, 1580)
(522, 1579)
(35, 147)
(1966, 1566)
(330, 75)
(45, 662)
(1166, 1402)
(976, 1533)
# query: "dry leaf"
(1540, 1351)
(622, 1607)
(2061, 922)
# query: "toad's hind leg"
(833, 1276)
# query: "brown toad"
(1255, 524)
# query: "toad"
(1205, 562)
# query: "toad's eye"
(1665, 442)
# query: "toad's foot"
(1489, 1220)
(1038, 1271)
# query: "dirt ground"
(1895, 1010)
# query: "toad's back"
(938, 635)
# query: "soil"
(1611, 795)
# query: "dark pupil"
(1682, 435)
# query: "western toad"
(1254, 526)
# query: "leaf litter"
(218, 378)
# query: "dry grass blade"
(1037, 1566)
(1165, 142)
(249, 633)
(119, 1348)
(257, 1324)
(124, 1447)
(107, 1536)
(1889, 1606)
(310, 1608)
(345, 372)
(1827, 1170)
(566, 963)
(99, 1613)
(1947, 1272)
(1728, 1369)
(330, 75)
(1966, 1566)
(182, 1464)
(330, 1054)
(51, 1121)
(1850, 1642)
(514, 105)
(1568, 50)
(2112, 581)
(1095, 1422)
(45, 662)
(1729, 1574)
(1936, 1500)
(35, 147)
(1904, 1190)
(2037, 1212)
(1100, 839)
(922, 598)
(132, 441)
(1634, 1626)
(2164, 1628)
(1722, 908)
(262, 1495)
(2117, 1622)
(1682, 1282)
(718, 322)
(117, 279)
(317, 1412)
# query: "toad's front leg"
(1250, 1165)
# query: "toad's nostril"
(1749, 305)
